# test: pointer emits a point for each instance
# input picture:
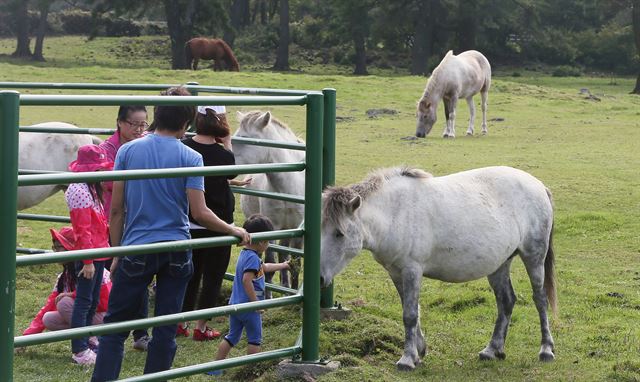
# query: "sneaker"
(207, 335)
(182, 330)
(141, 343)
(93, 343)
(214, 372)
(85, 357)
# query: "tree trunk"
(282, 55)
(635, 17)
(42, 30)
(361, 54)
(240, 16)
(22, 29)
(422, 38)
(467, 25)
(180, 24)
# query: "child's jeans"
(61, 318)
(87, 298)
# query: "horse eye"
(339, 233)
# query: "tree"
(43, 8)
(635, 17)
(282, 54)
(422, 42)
(179, 16)
(240, 16)
(21, 17)
(354, 15)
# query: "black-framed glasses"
(138, 124)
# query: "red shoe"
(208, 334)
(182, 330)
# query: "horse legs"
(450, 111)
(284, 274)
(296, 242)
(472, 114)
(500, 282)
(535, 269)
(408, 284)
(195, 63)
(485, 96)
(217, 66)
(269, 257)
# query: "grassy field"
(585, 151)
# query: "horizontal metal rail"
(149, 87)
(106, 100)
(272, 287)
(32, 251)
(97, 131)
(217, 365)
(116, 327)
(179, 172)
(288, 250)
(140, 249)
(44, 218)
(268, 194)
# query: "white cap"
(216, 109)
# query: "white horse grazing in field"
(48, 152)
(454, 228)
(284, 215)
(461, 76)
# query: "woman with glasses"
(131, 124)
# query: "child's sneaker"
(93, 343)
(214, 372)
(85, 357)
(141, 343)
(207, 335)
(182, 330)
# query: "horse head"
(254, 124)
(426, 117)
(342, 234)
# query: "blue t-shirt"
(156, 209)
(248, 261)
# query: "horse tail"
(188, 54)
(549, 272)
(229, 57)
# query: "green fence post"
(328, 166)
(194, 92)
(9, 118)
(313, 194)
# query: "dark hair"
(123, 111)
(172, 118)
(67, 278)
(212, 124)
(258, 223)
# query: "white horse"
(461, 76)
(454, 228)
(48, 152)
(284, 215)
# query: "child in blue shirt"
(248, 285)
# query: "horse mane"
(433, 80)
(281, 128)
(336, 200)
(229, 57)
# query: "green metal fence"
(317, 151)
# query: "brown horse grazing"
(210, 49)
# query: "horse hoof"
(546, 357)
(490, 355)
(469, 134)
(404, 367)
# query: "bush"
(120, 28)
(566, 71)
(76, 22)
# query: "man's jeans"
(84, 306)
(132, 277)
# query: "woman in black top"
(213, 141)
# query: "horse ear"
(264, 119)
(354, 203)
(240, 115)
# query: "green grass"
(586, 152)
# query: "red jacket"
(87, 219)
(37, 326)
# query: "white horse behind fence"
(461, 76)
(454, 228)
(284, 215)
(48, 152)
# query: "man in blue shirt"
(149, 211)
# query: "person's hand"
(88, 271)
(244, 182)
(114, 265)
(287, 264)
(244, 236)
(62, 295)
